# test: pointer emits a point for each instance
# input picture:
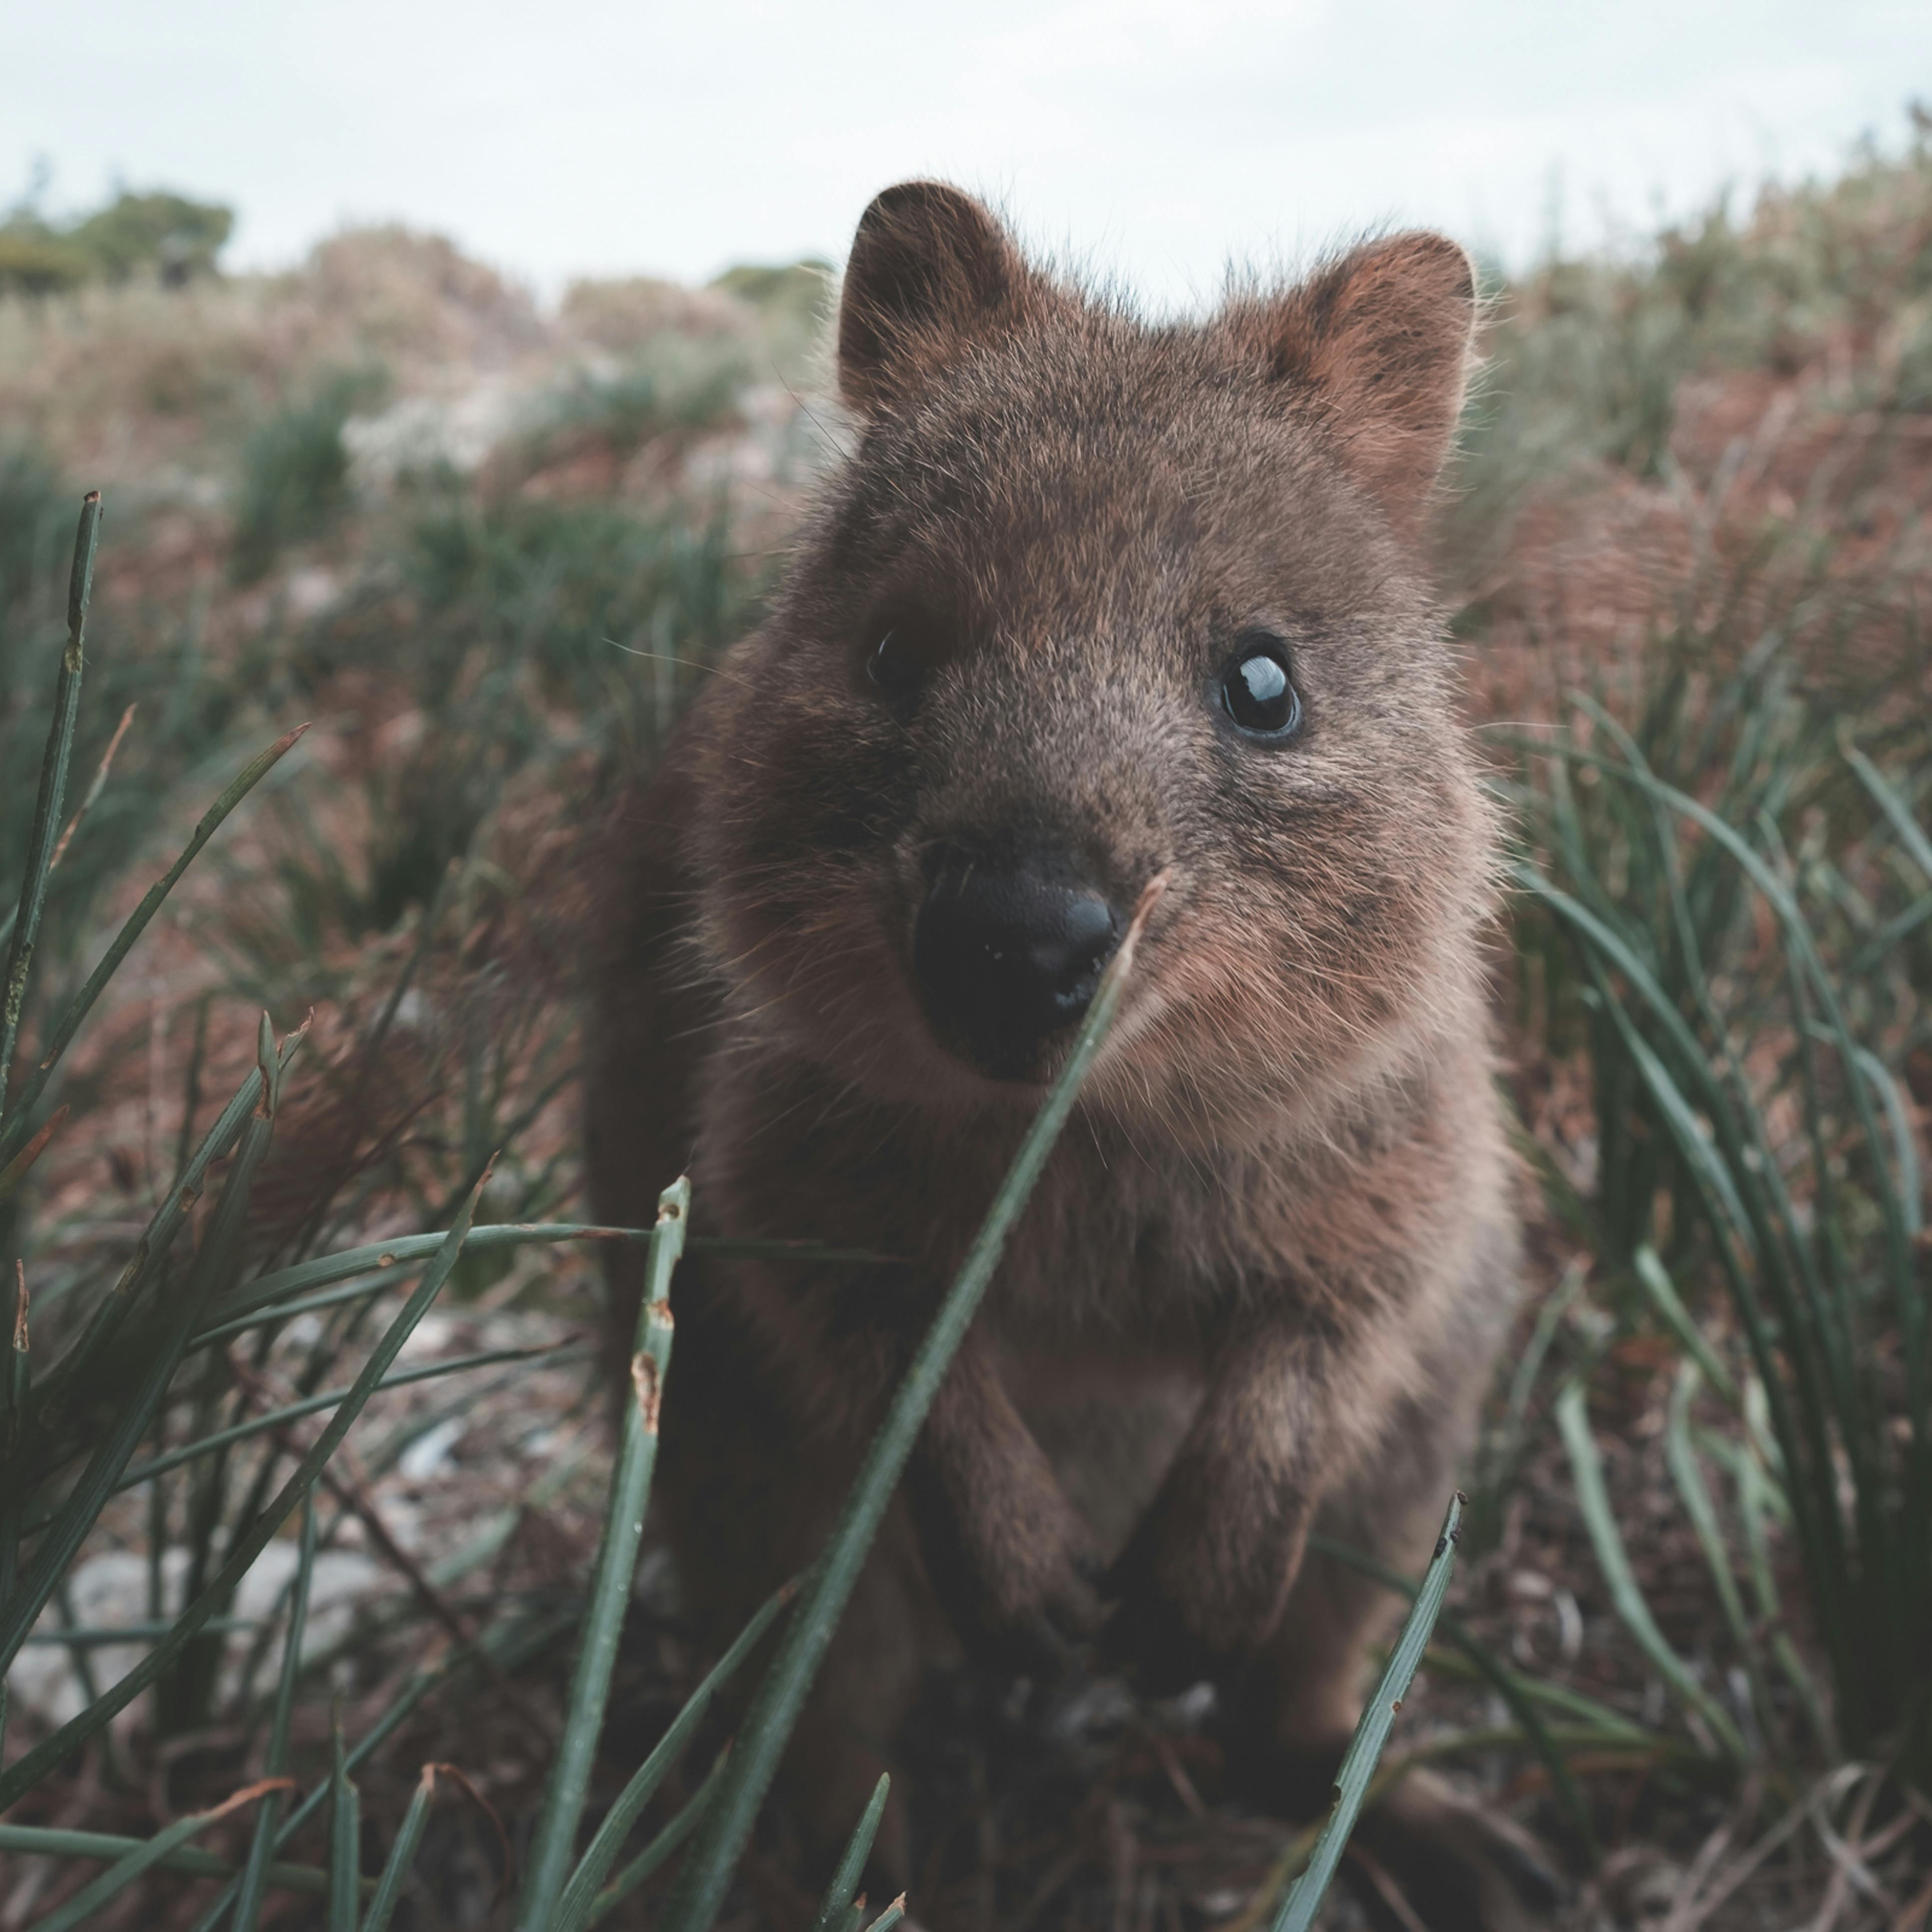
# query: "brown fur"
(1263, 1278)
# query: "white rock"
(430, 1453)
(111, 1590)
(423, 433)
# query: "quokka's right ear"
(931, 272)
(1381, 343)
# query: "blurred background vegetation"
(488, 548)
(167, 236)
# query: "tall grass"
(145, 1355)
(1732, 902)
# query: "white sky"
(1156, 140)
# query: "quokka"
(1090, 601)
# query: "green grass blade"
(69, 1375)
(345, 1839)
(1874, 953)
(1885, 795)
(578, 1907)
(1681, 1457)
(96, 786)
(219, 1256)
(890, 1917)
(666, 1842)
(389, 1259)
(523, 1641)
(549, 1855)
(836, 1908)
(1521, 1694)
(249, 1543)
(1713, 1173)
(1905, 1147)
(700, 1885)
(279, 1418)
(49, 1842)
(95, 1636)
(78, 1008)
(402, 1854)
(1670, 1305)
(393, 1258)
(1593, 1499)
(1758, 1500)
(254, 1875)
(305, 1304)
(151, 1851)
(16, 1384)
(45, 830)
(1358, 1764)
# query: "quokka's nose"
(1008, 952)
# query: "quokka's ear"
(931, 272)
(1382, 339)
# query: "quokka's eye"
(1257, 689)
(894, 666)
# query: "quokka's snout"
(1008, 947)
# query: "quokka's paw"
(1034, 1624)
(1147, 1637)
(1011, 1564)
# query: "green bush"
(294, 476)
(676, 391)
(33, 261)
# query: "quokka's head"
(1093, 601)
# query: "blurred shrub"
(402, 298)
(794, 291)
(624, 314)
(1585, 357)
(35, 262)
(294, 474)
(793, 303)
(32, 524)
(511, 658)
(675, 389)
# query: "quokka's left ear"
(1381, 343)
(931, 273)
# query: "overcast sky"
(1157, 140)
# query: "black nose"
(1008, 952)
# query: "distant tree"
(179, 237)
(168, 235)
